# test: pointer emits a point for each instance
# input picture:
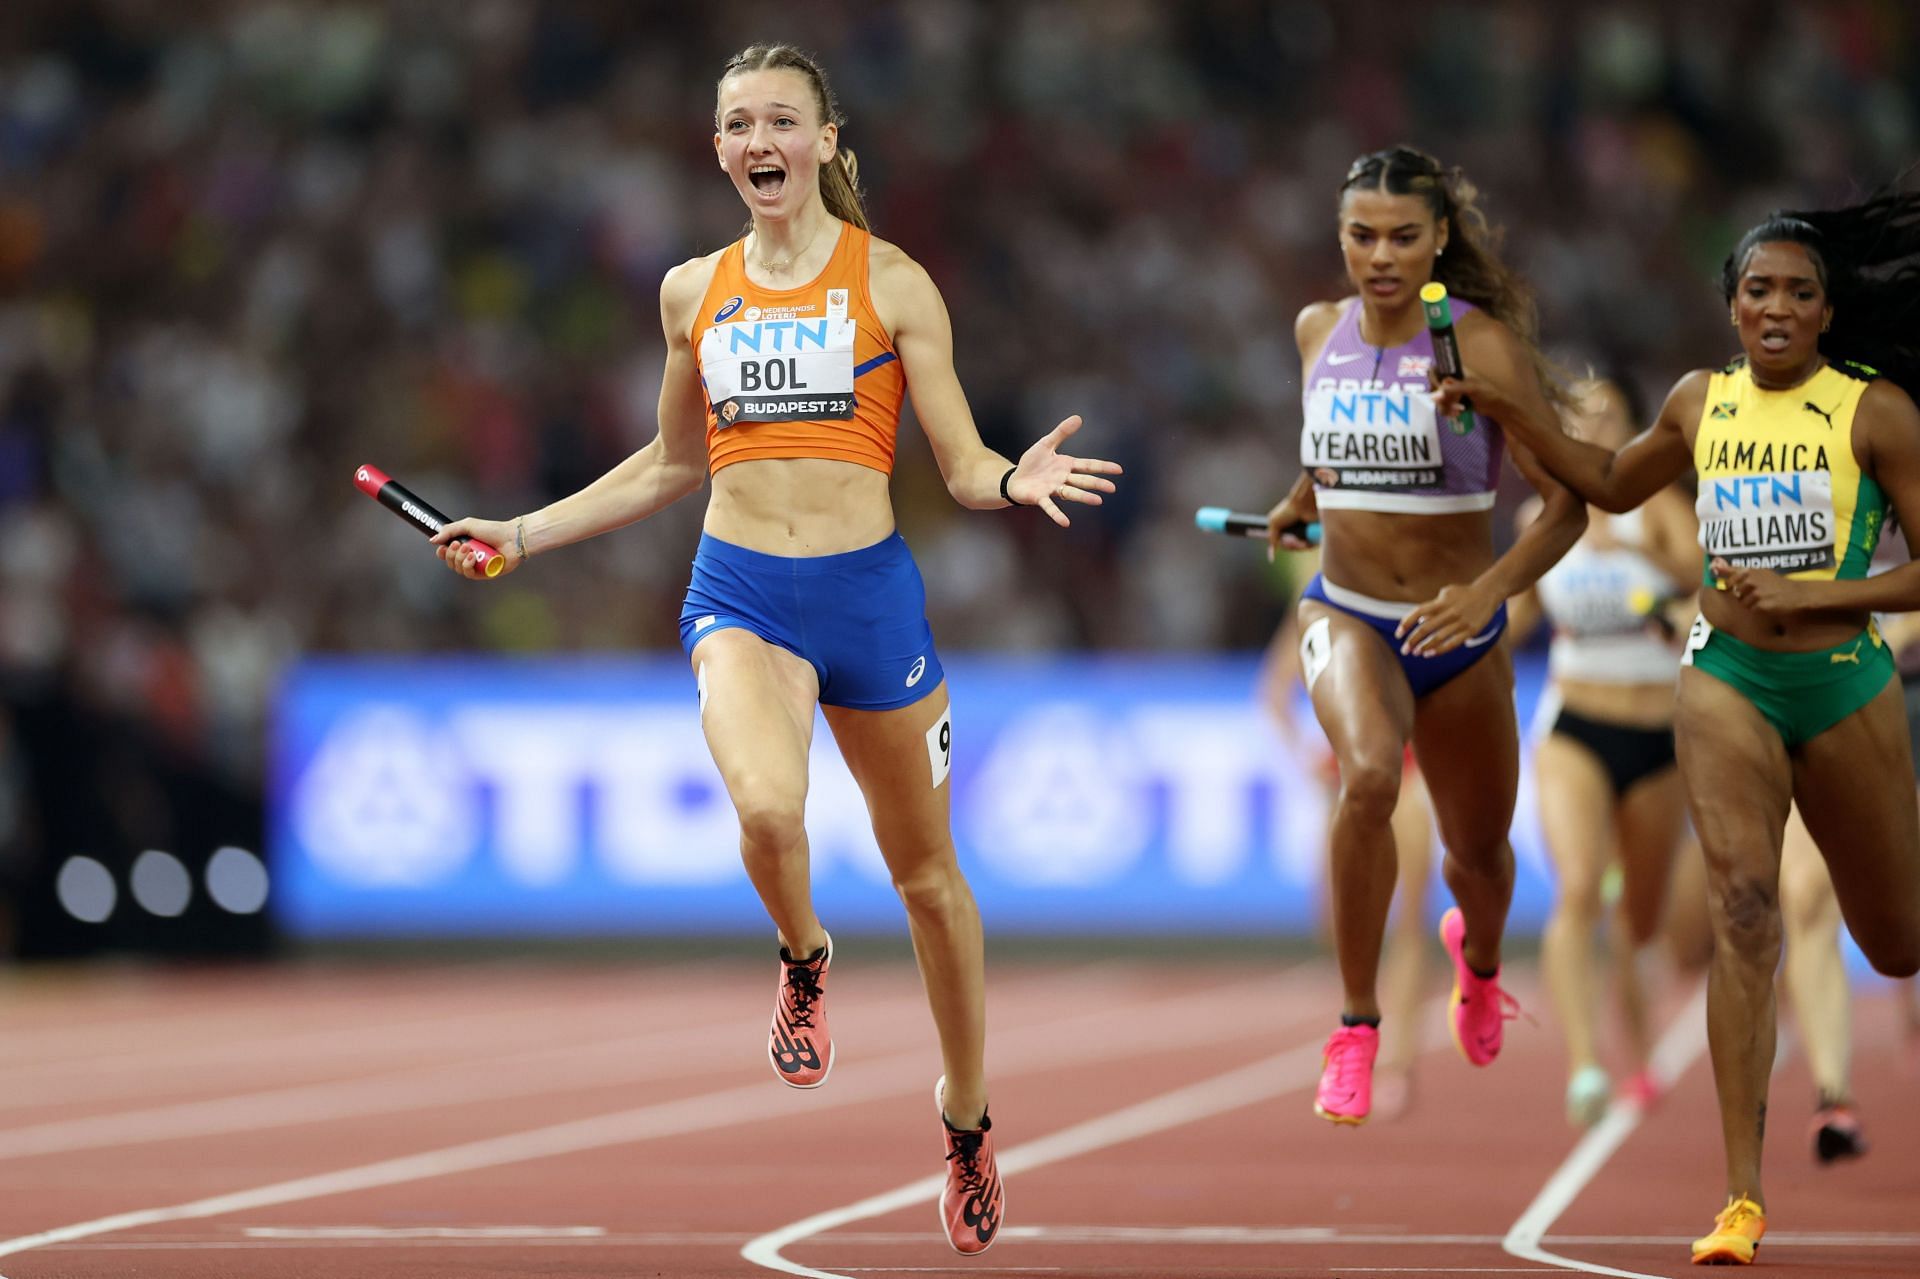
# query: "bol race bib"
(1366, 436)
(1782, 521)
(792, 370)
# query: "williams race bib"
(1782, 521)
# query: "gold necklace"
(789, 260)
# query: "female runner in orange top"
(788, 355)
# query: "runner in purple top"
(1399, 630)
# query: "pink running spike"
(1479, 1010)
(973, 1202)
(798, 1042)
(1345, 1095)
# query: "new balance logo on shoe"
(801, 1060)
(973, 1203)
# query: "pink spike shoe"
(973, 1202)
(1479, 1010)
(1345, 1095)
(798, 1042)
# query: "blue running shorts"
(858, 618)
(1424, 674)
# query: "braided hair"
(1471, 267)
(1867, 258)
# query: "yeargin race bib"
(793, 370)
(1363, 435)
(1782, 521)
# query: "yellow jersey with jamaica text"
(1780, 487)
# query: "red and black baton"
(396, 497)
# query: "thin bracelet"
(520, 536)
(1003, 484)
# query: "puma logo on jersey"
(1851, 655)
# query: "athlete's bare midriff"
(1627, 705)
(1392, 556)
(799, 506)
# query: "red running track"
(1153, 1119)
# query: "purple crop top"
(1370, 438)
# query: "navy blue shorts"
(858, 618)
(1424, 674)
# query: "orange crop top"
(806, 372)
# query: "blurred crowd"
(245, 247)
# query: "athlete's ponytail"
(840, 176)
(1470, 267)
(1867, 257)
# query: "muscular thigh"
(756, 709)
(1854, 784)
(1737, 775)
(901, 758)
(1576, 813)
(1359, 693)
(1468, 744)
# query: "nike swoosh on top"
(1346, 359)
(1478, 640)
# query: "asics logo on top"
(1348, 358)
(919, 669)
(732, 305)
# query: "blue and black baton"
(1218, 519)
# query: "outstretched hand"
(1046, 477)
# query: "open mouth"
(1775, 340)
(766, 179)
(1383, 284)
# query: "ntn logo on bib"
(780, 370)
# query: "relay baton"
(1446, 347)
(395, 496)
(1218, 519)
(1654, 607)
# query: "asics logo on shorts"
(919, 669)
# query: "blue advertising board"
(481, 797)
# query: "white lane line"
(309, 1239)
(424, 1232)
(1189, 1017)
(569, 1067)
(1258, 1081)
(131, 1074)
(1679, 1047)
